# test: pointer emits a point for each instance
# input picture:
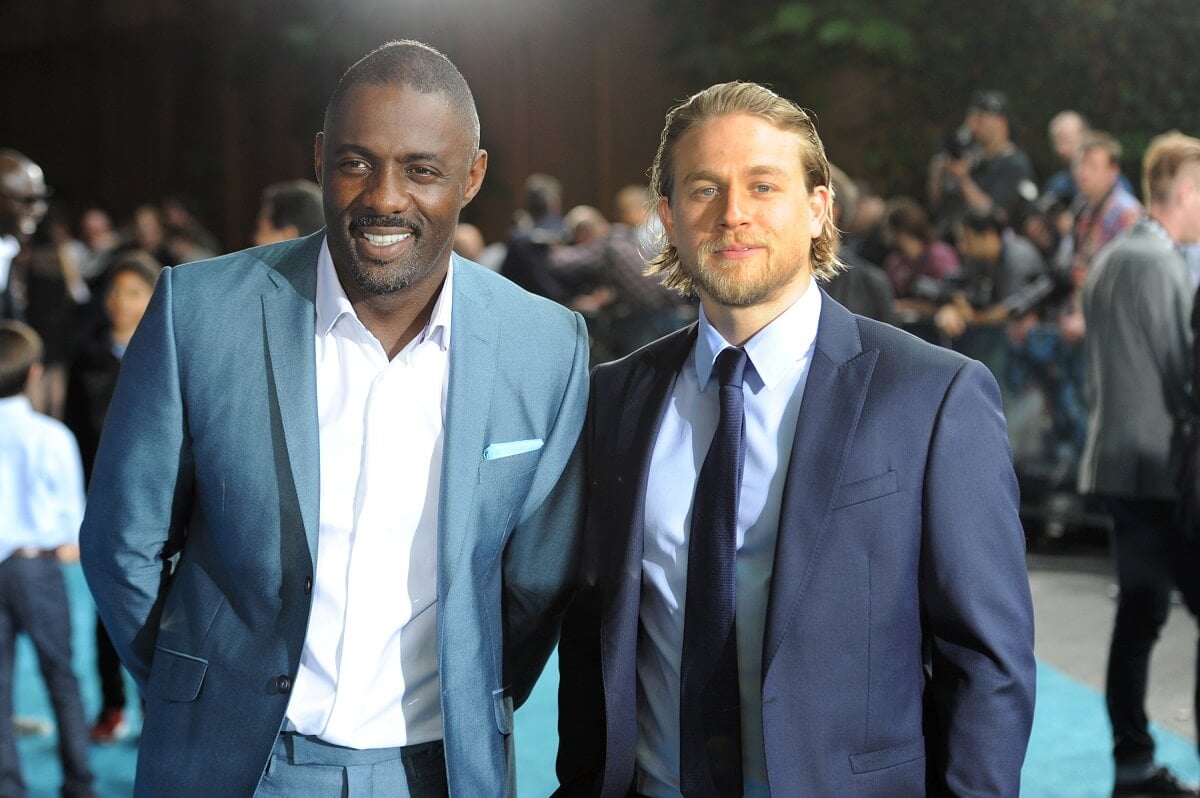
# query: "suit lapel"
(637, 417)
(833, 399)
(289, 318)
(468, 406)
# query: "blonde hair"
(1165, 158)
(741, 98)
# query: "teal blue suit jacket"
(200, 538)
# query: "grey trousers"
(307, 767)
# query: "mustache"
(390, 220)
(713, 247)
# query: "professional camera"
(957, 143)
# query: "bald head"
(23, 194)
(1066, 134)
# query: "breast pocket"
(508, 467)
(865, 490)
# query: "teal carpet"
(1068, 754)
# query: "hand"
(959, 167)
(1071, 327)
(68, 553)
(950, 321)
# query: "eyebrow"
(753, 171)
(413, 157)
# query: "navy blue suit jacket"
(898, 655)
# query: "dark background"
(126, 101)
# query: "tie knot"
(731, 366)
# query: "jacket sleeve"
(541, 555)
(975, 596)
(140, 491)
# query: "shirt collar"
(332, 302)
(15, 405)
(775, 349)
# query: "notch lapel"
(289, 320)
(833, 399)
(468, 405)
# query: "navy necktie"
(710, 729)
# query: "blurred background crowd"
(987, 156)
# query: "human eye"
(705, 192)
(354, 166)
(763, 188)
(423, 173)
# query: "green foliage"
(1126, 64)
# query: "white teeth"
(383, 241)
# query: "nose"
(387, 190)
(735, 211)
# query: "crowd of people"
(1022, 274)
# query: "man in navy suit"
(880, 640)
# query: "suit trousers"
(1152, 556)
(33, 600)
(307, 767)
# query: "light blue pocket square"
(498, 450)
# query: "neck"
(397, 318)
(1171, 221)
(738, 325)
(995, 148)
(122, 337)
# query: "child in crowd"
(93, 377)
(41, 507)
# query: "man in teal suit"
(335, 509)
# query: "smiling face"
(396, 166)
(740, 214)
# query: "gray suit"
(1137, 302)
(210, 460)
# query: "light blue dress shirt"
(41, 480)
(780, 355)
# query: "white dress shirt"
(368, 674)
(779, 355)
(9, 249)
(41, 480)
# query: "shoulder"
(665, 354)
(253, 269)
(532, 327)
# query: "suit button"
(307, 585)
(283, 683)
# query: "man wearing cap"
(992, 173)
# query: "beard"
(377, 277)
(741, 284)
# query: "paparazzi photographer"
(980, 167)
(1002, 279)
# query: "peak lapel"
(833, 399)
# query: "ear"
(667, 218)
(318, 155)
(475, 177)
(820, 205)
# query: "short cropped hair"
(905, 215)
(20, 349)
(1099, 140)
(295, 203)
(741, 98)
(1165, 158)
(139, 263)
(414, 64)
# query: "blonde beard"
(743, 285)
